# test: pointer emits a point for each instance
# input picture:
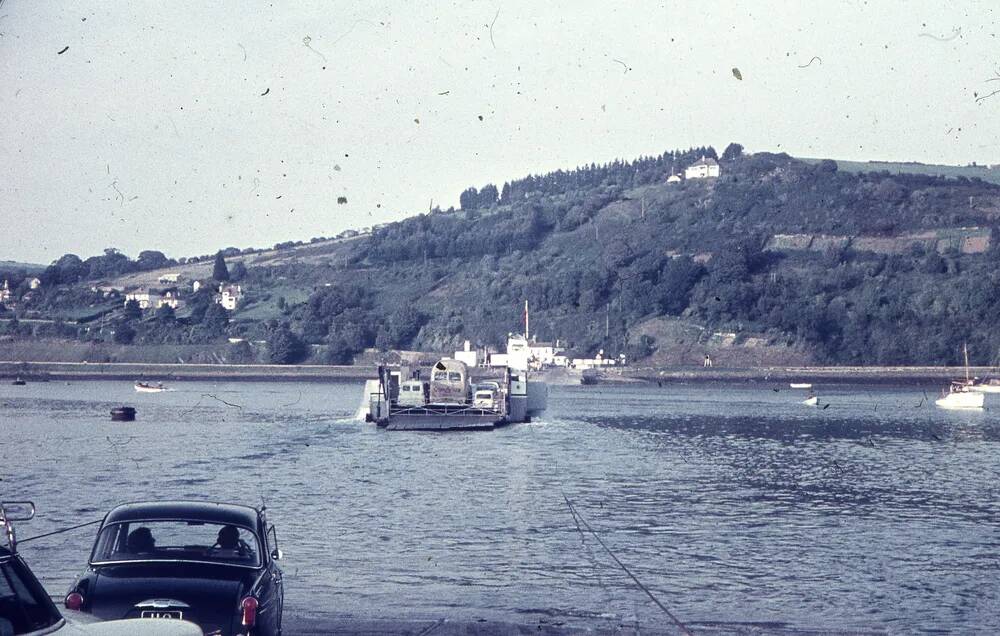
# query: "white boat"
(145, 387)
(800, 385)
(961, 396)
(985, 386)
(812, 400)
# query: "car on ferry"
(26, 608)
(486, 395)
(413, 393)
(213, 564)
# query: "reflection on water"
(733, 504)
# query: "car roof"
(187, 510)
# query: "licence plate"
(159, 614)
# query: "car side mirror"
(277, 554)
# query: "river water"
(733, 504)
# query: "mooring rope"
(577, 517)
(49, 534)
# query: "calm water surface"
(732, 503)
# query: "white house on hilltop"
(704, 168)
(229, 296)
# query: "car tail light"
(249, 606)
(74, 601)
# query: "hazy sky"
(152, 130)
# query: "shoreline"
(842, 375)
(43, 371)
(48, 371)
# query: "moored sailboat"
(961, 394)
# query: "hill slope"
(776, 259)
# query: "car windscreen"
(175, 540)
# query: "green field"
(986, 173)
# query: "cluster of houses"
(531, 354)
(7, 297)
(229, 296)
(704, 168)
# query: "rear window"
(454, 377)
(177, 541)
(24, 605)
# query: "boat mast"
(965, 349)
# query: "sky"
(190, 126)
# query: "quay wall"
(158, 372)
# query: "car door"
(274, 555)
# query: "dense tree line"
(70, 268)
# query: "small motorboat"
(18, 382)
(811, 400)
(145, 387)
(800, 385)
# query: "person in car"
(141, 540)
(228, 542)
(229, 538)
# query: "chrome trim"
(152, 561)
(161, 603)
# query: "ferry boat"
(400, 399)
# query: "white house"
(35, 283)
(704, 168)
(171, 299)
(169, 278)
(229, 296)
(5, 292)
(590, 363)
(468, 355)
(543, 353)
(674, 178)
(145, 298)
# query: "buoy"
(123, 414)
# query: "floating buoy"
(123, 414)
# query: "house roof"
(704, 161)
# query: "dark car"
(209, 563)
(27, 610)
